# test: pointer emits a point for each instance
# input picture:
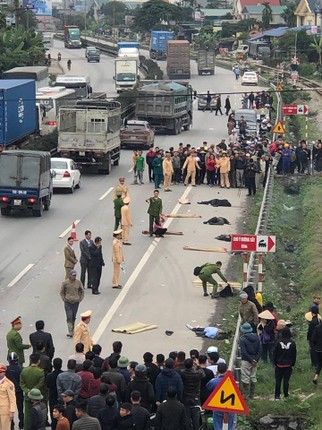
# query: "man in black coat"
(85, 257)
(171, 415)
(140, 415)
(108, 416)
(96, 264)
(13, 374)
(51, 379)
(41, 336)
(191, 378)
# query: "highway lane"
(162, 292)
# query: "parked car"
(249, 78)
(137, 133)
(65, 174)
(202, 101)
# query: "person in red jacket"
(211, 168)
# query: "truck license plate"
(17, 202)
(82, 154)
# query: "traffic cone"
(73, 232)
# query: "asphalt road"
(157, 285)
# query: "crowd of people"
(267, 337)
(228, 165)
(111, 393)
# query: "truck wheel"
(47, 203)
(109, 164)
(38, 212)
(5, 211)
(179, 126)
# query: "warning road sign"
(279, 128)
(227, 397)
(280, 87)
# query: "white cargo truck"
(126, 74)
(89, 133)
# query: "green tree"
(230, 29)
(153, 12)
(317, 45)
(267, 15)
(288, 14)
(20, 47)
(114, 12)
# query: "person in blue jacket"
(218, 417)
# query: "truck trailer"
(165, 105)
(72, 37)
(18, 110)
(178, 59)
(258, 50)
(25, 181)
(38, 73)
(89, 133)
(206, 62)
(159, 44)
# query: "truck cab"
(25, 182)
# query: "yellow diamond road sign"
(280, 87)
(226, 397)
(279, 128)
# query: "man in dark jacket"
(51, 383)
(96, 403)
(95, 265)
(317, 342)
(41, 336)
(284, 360)
(108, 416)
(116, 378)
(152, 369)
(70, 406)
(204, 394)
(84, 421)
(191, 377)
(313, 323)
(251, 350)
(168, 377)
(250, 176)
(171, 415)
(125, 421)
(140, 415)
(85, 257)
(38, 412)
(13, 374)
(142, 384)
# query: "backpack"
(196, 270)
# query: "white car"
(65, 174)
(249, 78)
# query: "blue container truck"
(159, 44)
(18, 111)
(25, 181)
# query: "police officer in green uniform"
(154, 210)
(205, 274)
(118, 203)
(31, 377)
(14, 341)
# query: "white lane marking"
(106, 193)
(68, 229)
(20, 275)
(120, 298)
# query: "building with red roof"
(240, 5)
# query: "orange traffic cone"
(73, 232)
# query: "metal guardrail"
(234, 361)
